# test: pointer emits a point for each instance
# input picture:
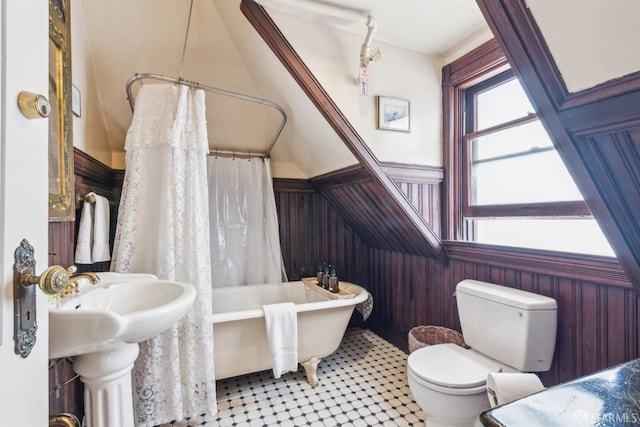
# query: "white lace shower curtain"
(245, 240)
(161, 229)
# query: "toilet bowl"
(449, 383)
(508, 330)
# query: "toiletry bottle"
(319, 274)
(325, 276)
(333, 282)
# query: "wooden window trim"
(590, 268)
(457, 155)
(529, 118)
(557, 210)
(487, 59)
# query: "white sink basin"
(123, 308)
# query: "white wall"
(333, 57)
(89, 132)
(308, 146)
(580, 35)
(466, 46)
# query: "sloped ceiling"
(147, 36)
(308, 140)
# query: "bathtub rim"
(300, 308)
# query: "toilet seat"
(451, 369)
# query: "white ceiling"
(433, 27)
(147, 36)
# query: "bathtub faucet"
(74, 278)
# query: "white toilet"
(508, 330)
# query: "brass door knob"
(52, 280)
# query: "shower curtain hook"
(186, 38)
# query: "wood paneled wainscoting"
(422, 187)
(312, 231)
(598, 308)
(322, 219)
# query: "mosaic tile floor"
(363, 383)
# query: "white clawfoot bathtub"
(239, 331)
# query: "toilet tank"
(515, 327)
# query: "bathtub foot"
(310, 368)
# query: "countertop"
(605, 399)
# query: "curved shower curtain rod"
(140, 76)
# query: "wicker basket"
(422, 336)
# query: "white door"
(24, 27)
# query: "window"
(513, 188)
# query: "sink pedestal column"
(106, 375)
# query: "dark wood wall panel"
(61, 243)
(426, 200)
(68, 395)
(598, 308)
(422, 187)
(93, 176)
(312, 231)
(367, 211)
(597, 322)
(617, 155)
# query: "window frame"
(563, 209)
(480, 69)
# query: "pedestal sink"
(101, 327)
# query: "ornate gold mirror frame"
(61, 201)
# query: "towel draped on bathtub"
(365, 307)
(282, 334)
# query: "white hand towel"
(85, 235)
(282, 334)
(505, 387)
(100, 250)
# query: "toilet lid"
(450, 365)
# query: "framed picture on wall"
(394, 114)
(76, 102)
